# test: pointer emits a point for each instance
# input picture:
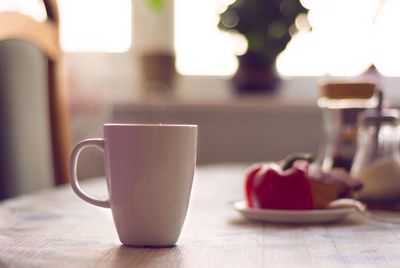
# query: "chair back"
(35, 138)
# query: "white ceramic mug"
(149, 171)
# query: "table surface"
(54, 228)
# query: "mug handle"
(73, 163)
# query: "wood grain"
(55, 228)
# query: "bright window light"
(32, 8)
(95, 25)
(346, 37)
(86, 25)
(386, 40)
(339, 43)
(201, 49)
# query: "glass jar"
(377, 160)
(340, 104)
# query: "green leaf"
(156, 4)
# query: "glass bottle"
(377, 160)
(340, 104)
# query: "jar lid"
(347, 90)
(372, 116)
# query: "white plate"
(293, 216)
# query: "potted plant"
(154, 45)
(267, 25)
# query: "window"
(202, 49)
(95, 25)
(85, 25)
(347, 36)
(340, 43)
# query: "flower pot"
(254, 75)
(158, 72)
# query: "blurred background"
(246, 71)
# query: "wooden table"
(56, 229)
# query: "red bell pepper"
(274, 186)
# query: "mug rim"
(149, 125)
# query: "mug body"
(149, 170)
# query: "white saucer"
(293, 216)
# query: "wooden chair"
(35, 137)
